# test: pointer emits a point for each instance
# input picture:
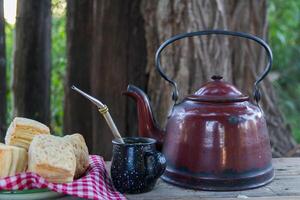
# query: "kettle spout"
(147, 125)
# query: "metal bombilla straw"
(103, 109)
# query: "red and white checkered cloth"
(95, 184)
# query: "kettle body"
(216, 138)
(213, 148)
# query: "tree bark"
(31, 74)
(119, 58)
(2, 75)
(248, 61)
(77, 110)
(193, 61)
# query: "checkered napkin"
(95, 184)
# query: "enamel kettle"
(215, 139)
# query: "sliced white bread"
(22, 130)
(53, 158)
(13, 160)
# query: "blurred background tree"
(2, 73)
(32, 60)
(283, 36)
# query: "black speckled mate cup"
(136, 165)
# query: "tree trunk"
(31, 74)
(2, 75)
(248, 61)
(119, 54)
(77, 110)
(193, 61)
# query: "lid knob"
(216, 77)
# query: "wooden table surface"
(286, 186)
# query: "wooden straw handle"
(110, 122)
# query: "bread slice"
(81, 152)
(22, 130)
(53, 158)
(13, 160)
(5, 161)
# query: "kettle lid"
(218, 91)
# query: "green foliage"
(58, 8)
(284, 37)
(9, 30)
(58, 64)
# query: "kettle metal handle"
(256, 92)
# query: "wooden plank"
(77, 110)
(196, 198)
(241, 198)
(286, 185)
(118, 58)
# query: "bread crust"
(81, 152)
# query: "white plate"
(29, 194)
